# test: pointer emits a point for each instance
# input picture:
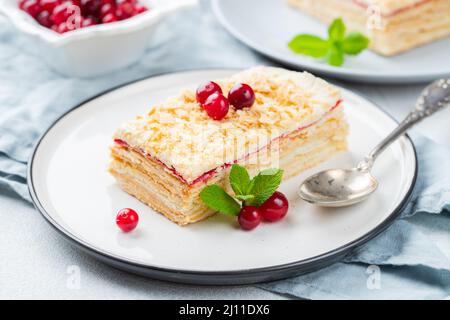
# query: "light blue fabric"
(32, 97)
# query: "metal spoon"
(343, 187)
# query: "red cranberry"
(205, 90)
(105, 9)
(133, 2)
(90, 7)
(62, 12)
(109, 18)
(95, 19)
(62, 28)
(249, 217)
(22, 3)
(216, 106)
(112, 2)
(140, 9)
(241, 96)
(124, 10)
(87, 22)
(32, 7)
(275, 208)
(127, 219)
(49, 5)
(75, 21)
(44, 19)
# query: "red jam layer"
(395, 12)
(211, 173)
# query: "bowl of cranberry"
(86, 38)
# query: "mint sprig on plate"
(251, 192)
(217, 199)
(333, 49)
(264, 185)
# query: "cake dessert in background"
(168, 155)
(393, 26)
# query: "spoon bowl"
(338, 187)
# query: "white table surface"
(35, 261)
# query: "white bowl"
(94, 50)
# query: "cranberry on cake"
(393, 26)
(168, 155)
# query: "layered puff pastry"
(168, 155)
(393, 26)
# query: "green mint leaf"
(354, 43)
(335, 55)
(309, 45)
(217, 199)
(264, 185)
(246, 197)
(336, 31)
(269, 172)
(239, 179)
(333, 49)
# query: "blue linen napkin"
(403, 262)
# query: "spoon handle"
(434, 97)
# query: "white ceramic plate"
(267, 26)
(71, 187)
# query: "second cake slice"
(393, 26)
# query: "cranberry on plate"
(127, 219)
(249, 217)
(275, 208)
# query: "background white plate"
(267, 26)
(72, 189)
